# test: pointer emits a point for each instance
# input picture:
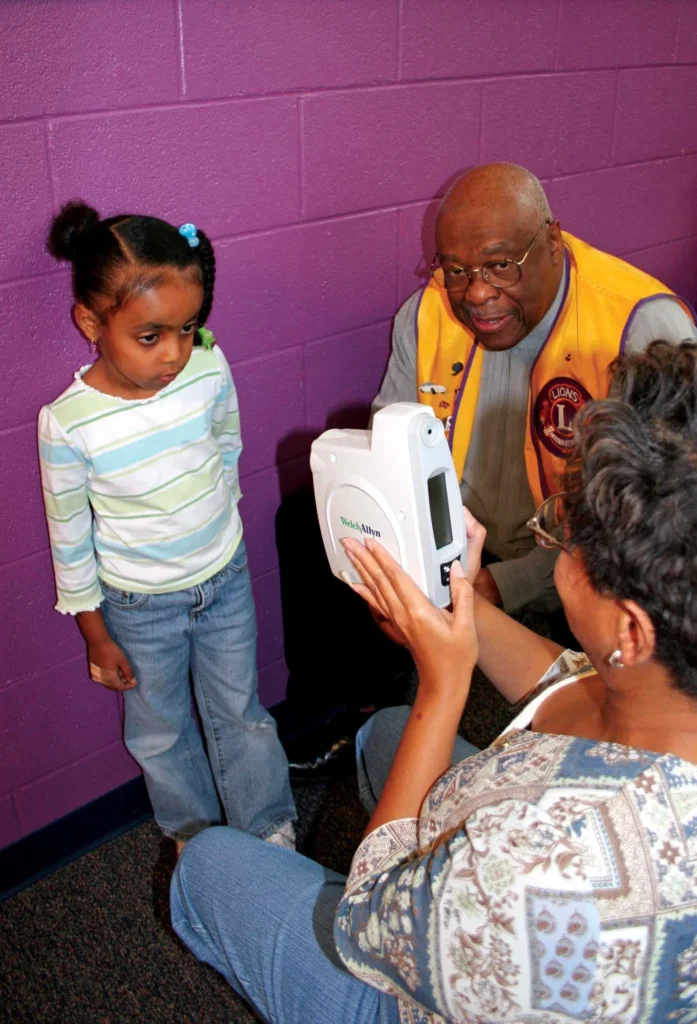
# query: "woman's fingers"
(378, 611)
(462, 596)
(476, 535)
(399, 582)
(372, 574)
(389, 628)
(374, 602)
(463, 623)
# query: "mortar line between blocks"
(398, 259)
(556, 45)
(400, 26)
(114, 744)
(45, 550)
(18, 426)
(52, 183)
(319, 221)
(303, 357)
(179, 17)
(209, 101)
(676, 41)
(300, 124)
(299, 345)
(372, 211)
(54, 666)
(613, 136)
(12, 282)
(482, 91)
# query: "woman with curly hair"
(552, 876)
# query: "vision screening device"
(397, 484)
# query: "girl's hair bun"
(72, 223)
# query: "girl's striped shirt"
(142, 493)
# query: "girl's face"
(146, 343)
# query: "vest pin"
(457, 368)
(568, 357)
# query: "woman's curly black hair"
(631, 505)
(100, 250)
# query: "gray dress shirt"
(494, 481)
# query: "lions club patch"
(555, 410)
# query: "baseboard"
(61, 842)
(43, 852)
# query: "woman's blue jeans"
(263, 916)
(206, 635)
(376, 746)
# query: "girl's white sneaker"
(285, 836)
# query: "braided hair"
(121, 257)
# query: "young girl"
(139, 469)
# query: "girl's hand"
(443, 642)
(110, 666)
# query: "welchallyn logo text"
(361, 527)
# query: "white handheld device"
(397, 484)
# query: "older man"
(514, 332)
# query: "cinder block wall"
(309, 140)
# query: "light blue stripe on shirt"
(71, 554)
(58, 454)
(166, 549)
(157, 443)
(126, 455)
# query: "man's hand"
(485, 586)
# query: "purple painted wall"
(309, 140)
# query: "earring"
(94, 342)
(614, 660)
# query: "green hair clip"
(207, 338)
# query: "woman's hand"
(443, 642)
(110, 666)
(388, 628)
(476, 535)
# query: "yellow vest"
(602, 295)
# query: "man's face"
(500, 317)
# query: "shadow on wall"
(336, 655)
(297, 443)
(421, 271)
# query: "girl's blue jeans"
(205, 636)
(263, 916)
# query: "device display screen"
(440, 512)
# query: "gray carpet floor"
(92, 944)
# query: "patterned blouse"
(547, 879)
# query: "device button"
(445, 571)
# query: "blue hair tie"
(190, 234)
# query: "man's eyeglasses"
(499, 273)
(548, 523)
